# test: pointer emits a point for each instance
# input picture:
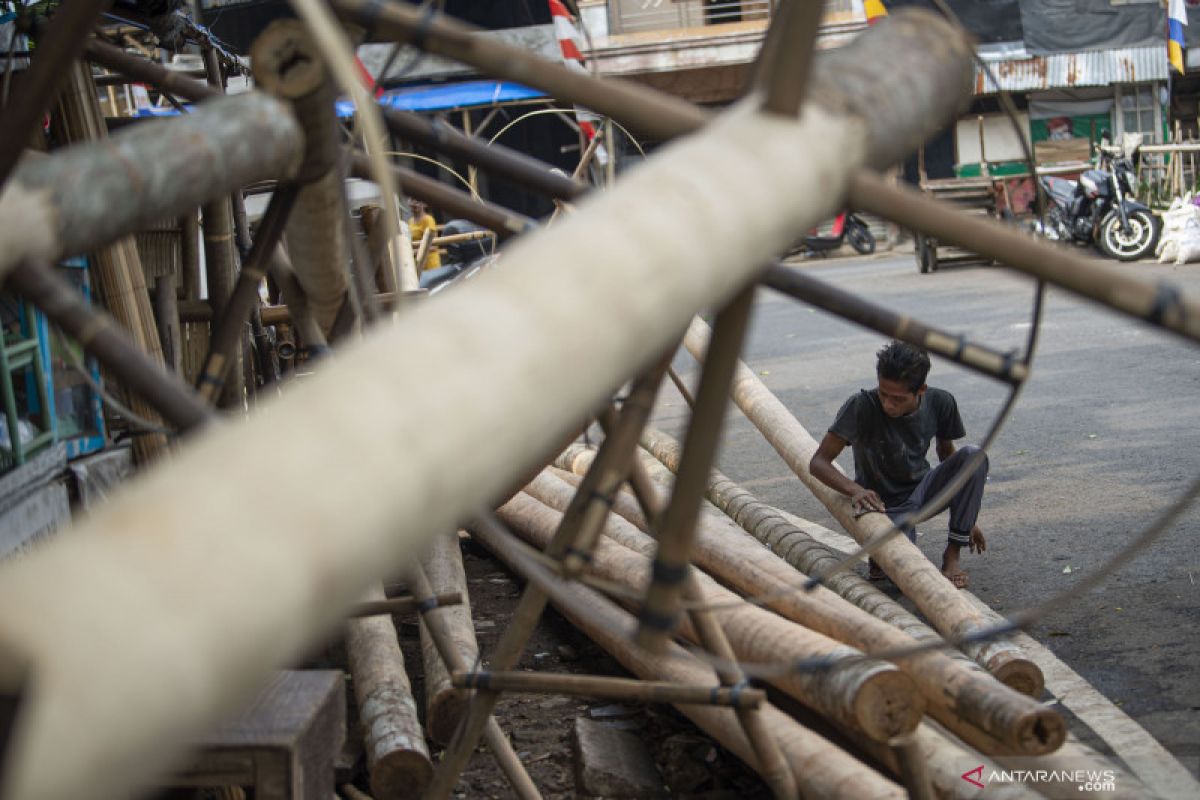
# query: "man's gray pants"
(964, 505)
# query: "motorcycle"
(846, 227)
(1099, 209)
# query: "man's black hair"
(900, 361)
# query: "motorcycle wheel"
(860, 238)
(1138, 243)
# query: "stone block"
(613, 763)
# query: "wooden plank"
(283, 743)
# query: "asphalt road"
(1106, 435)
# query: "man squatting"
(890, 429)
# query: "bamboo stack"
(864, 695)
(119, 274)
(821, 768)
(984, 712)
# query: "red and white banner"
(571, 45)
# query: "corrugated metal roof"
(1065, 70)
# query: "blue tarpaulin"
(440, 97)
(436, 97)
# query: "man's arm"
(822, 468)
(945, 449)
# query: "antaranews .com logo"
(1082, 780)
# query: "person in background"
(890, 429)
(422, 221)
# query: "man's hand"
(978, 543)
(865, 500)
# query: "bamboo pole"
(435, 624)
(919, 579)
(404, 605)
(221, 268)
(606, 688)
(677, 531)
(457, 203)
(820, 768)
(987, 714)
(189, 255)
(984, 360)
(497, 159)
(119, 275)
(863, 695)
(572, 544)
(165, 543)
(397, 756)
(444, 704)
(228, 335)
(147, 380)
(166, 315)
(287, 64)
(423, 250)
(153, 170)
(385, 278)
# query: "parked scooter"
(1099, 209)
(846, 228)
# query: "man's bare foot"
(951, 568)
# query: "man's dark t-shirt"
(889, 453)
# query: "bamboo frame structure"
(864, 695)
(978, 357)
(606, 688)
(174, 536)
(443, 637)
(1160, 303)
(119, 275)
(659, 613)
(228, 331)
(572, 544)
(405, 605)
(288, 64)
(982, 711)
(441, 565)
(141, 175)
(820, 768)
(100, 336)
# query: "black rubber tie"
(659, 622)
(427, 605)
(1166, 298)
(663, 572)
(421, 35)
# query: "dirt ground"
(540, 726)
